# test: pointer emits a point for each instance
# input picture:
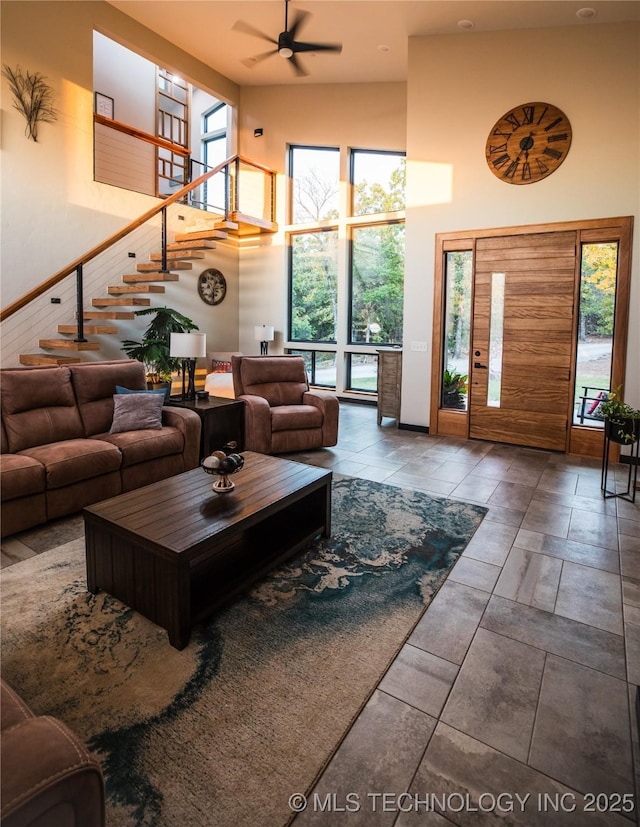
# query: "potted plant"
(621, 420)
(153, 349)
(454, 389)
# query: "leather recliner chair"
(281, 413)
(48, 776)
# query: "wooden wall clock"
(528, 143)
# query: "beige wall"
(458, 87)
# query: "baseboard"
(423, 429)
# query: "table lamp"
(188, 347)
(264, 334)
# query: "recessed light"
(465, 24)
(384, 48)
(586, 13)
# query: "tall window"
(214, 152)
(346, 265)
(314, 299)
(457, 329)
(377, 282)
(598, 272)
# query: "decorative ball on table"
(222, 465)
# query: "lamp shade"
(263, 333)
(188, 345)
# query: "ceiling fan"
(286, 45)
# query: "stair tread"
(129, 302)
(107, 315)
(201, 235)
(154, 267)
(88, 328)
(47, 359)
(142, 278)
(67, 344)
(178, 255)
(117, 289)
(192, 245)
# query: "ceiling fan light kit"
(286, 46)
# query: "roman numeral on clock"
(562, 137)
(501, 161)
(497, 148)
(552, 153)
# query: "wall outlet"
(419, 347)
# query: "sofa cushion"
(75, 460)
(295, 418)
(21, 476)
(38, 407)
(133, 412)
(141, 446)
(95, 384)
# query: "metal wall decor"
(212, 286)
(32, 97)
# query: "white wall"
(458, 87)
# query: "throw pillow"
(220, 367)
(164, 391)
(136, 412)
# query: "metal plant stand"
(632, 476)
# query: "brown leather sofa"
(48, 777)
(57, 454)
(281, 414)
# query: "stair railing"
(181, 194)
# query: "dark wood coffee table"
(175, 551)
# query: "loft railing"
(191, 193)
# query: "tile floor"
(513, 700)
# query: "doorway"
(517, 374)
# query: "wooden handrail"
(142, 136)
(18, 304)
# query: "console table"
(222, 422)
(389, 382)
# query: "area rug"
(223, 732)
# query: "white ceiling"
(204, 28)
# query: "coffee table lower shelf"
(177, 588)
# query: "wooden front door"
(522, 341)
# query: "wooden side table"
(222, 422)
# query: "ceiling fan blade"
(301, 16)
(297, 68)
(250, 62)
(245, 28)
(316, 47)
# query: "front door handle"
(478, 365)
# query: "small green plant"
(454, 389)
(153, 349)
(623, 418)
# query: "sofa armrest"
(49, 777)
(189, 424)
(328, 404)
(257, 423)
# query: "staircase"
(149, 279)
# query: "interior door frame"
(581, 440)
